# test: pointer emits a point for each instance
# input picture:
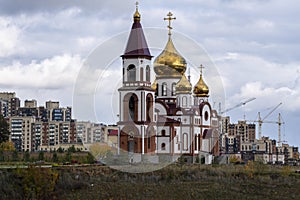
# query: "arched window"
(130, 107)
(163, 132)
(150, 133)
(131, 73)
(163, 146)
(173, 89)
(141, 74)
(149, 107)
(185, 141)
(148, 73)
(156, 91)
(164, 89)
(184, 101)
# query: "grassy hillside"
(252, 181)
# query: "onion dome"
(183, 86)
(169, 63)
(201, 89)
(154, 85)
(137, 15)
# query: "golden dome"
(183, 86)
(169, 63)
(201, 89)
(137, 15)
(154, 85)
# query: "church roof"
(137, 44)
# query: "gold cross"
(169, 18)
(201, 68)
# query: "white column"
(143, 137)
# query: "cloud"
(56, 72)
(9, 35)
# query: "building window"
(149, 140)
(164, 89)
(149, 105)
(163, 132)
(163, 146)
(141, 74)
(206, 115)
(173, 89)
(131, 107)
(131, 73)
(185, 141)
(148, 73)
(184, 101)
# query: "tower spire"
(137, 44)
(170, 18)
(137, 15)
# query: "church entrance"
(131, 146)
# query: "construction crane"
(260, 120)
(280, 122)
(236, 106)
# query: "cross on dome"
(169, 18)
(201, 69)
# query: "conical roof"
(137, 45)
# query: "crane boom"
(238, 105)
(261, 121)
(271, 111)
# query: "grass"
(172, 182)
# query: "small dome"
(183, 86)
(154, 85)
(137, 16)
(201, 89)
(169, 63)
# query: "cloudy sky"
(253, 45)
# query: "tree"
(72, 149)
(7, 146)
(15, 156)
(54, 157)
(26, 156)
(4, 131)
(41, 155)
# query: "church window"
(163, 133)
(149, 105)
(149, 140)
(185, 141)
(131, 73)
(184, 101)
(164, 89)
(163, 146)
(141, 74)
(132, 105)
(206, 115)
(195, 143)
(148, 73)
(173, 89)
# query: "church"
(166, 118)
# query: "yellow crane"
(236, 106)
(260, 121)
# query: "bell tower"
(136, 97)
